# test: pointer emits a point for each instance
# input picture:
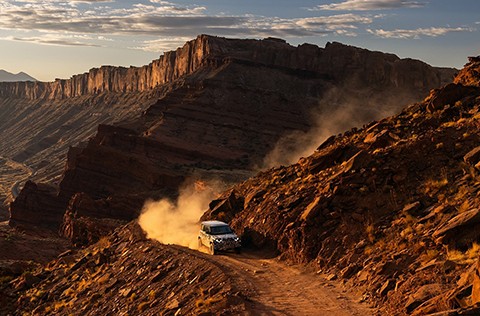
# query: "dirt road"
(275, 288)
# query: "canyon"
(82, 155)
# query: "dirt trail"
(275, 288)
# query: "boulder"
(386, 287)
(225, 209)
(473, 156)
(455, 230)
(476, 284)
(423, 294)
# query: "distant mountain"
(6, 76)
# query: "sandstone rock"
(331, 277)
(456, 227)
(411, 208)
(470, 74)
(476, 284)
(349, 271)
(310, 209)
(449, 95)
(329, 157)
(386, 287)
(381, 139)
(36, 205)
(224, 209)
(473, 156)
(421, 295)
(173, 304)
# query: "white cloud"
(417, 33)
(361, 5)
(50, 39)
(335, 22)
(162, 44)
(161, 19)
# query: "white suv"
(217, 236)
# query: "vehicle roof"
(214, 223)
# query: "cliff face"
(167, 68)
(221, 106)
(369, 67)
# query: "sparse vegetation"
(468, 257)
(370, 230)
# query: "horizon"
(59, 39)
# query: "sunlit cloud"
(418, 33)
(51, 40)
(161, 44)
(362, 5)
(161, 23)
(335, 22)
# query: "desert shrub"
(468, 257)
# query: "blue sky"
(51, 39)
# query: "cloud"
(335, 22)
(163, 19)
(362, 5)
(58, 40)
(417, 33)
(161, 44)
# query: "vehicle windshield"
(220, 230)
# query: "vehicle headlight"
(236, 239)
(217, 240)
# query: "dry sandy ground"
(281, 289)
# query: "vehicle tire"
(212, 249)
(238, 250)
(200, 243)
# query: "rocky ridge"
(126, 274)
(391, 207)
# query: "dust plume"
(337, 112)
(177, 222)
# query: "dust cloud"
(177, 222)
(335, 113)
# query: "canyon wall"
(362, 65)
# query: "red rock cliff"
(336, 60)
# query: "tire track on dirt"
(274, 288)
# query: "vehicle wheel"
(199, 244)
(212, 249)
(238, 250)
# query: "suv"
(217, 236)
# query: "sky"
(51, 39)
